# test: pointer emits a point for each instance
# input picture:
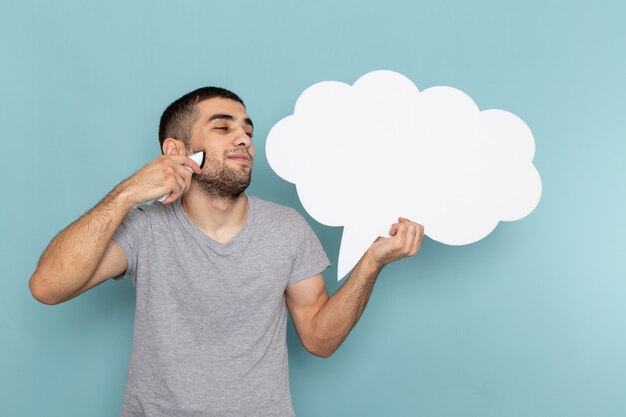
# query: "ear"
(173, 146)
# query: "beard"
(219, 180)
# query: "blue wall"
(530, 321)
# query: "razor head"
(198, 158)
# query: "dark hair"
(179, 117)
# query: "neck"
(219, 218)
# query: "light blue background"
(530, 321)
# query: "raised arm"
(323, 323)
(83, 255)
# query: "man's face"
(223, 131)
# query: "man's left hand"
(405, 238)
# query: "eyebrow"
(225, 116)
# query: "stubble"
(222, 181)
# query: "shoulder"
(145, 213)
(266, 210)
(281, 219)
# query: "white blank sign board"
(363, 155)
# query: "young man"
(215, 271)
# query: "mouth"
(242, 158)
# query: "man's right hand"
(166, 175)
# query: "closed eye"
(226, 128)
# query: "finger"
(175, 195)
(411, 237)
(395, 228)
(418, 240)
(170, 198)
(177, 182)
(184, 160)
(416, 247)
(172, 159)
(181, 180)
(175, 174)
(184, 172)
(405, 220)
(400, 237)
(192, 164)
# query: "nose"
(241, 138)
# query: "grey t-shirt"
(210, 318)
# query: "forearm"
(323, 323)
(340, 313)
(73, 255)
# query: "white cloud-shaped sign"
(363, 155)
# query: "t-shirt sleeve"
(310, 258)
(128, 236)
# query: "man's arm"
(323, 323)
(83, 254)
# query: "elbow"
(320, 349)
(324, 354)
(39, 291)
